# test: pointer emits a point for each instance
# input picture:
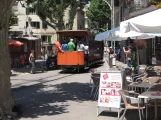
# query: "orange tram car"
(76, 59)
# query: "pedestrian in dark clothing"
(119, 54)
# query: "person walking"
(71, 45)
(32, 61)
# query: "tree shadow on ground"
(22, 70)
(49, 100)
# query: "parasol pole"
(137, 52)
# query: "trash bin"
(112, 60)
(40, 65)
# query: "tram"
(77, 59)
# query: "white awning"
(147, 23)
(111, 35)
(136, 35)
(102, 36)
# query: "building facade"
(38, 28)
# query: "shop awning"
(15, 43)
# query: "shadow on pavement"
(49, 100)
(21, 70)
(82, 70)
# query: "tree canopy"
(12, 19)
(156, 2)
(53, 11)
(99, 14)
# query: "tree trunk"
(6, 100)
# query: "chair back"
(156, 87)
(93, 70)
(96, 79)
(123, 94)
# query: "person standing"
(71, 45)
(32, 61)
(86, 52)
(110, 52)
(65, 46)
(80, 46)
(119, 54)
(127, 51)
(59, 47)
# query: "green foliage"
(99, 14)
(12, 19)
(52, 10)
(156, 2)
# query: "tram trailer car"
(76, 59)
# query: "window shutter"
(49, 39)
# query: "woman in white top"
(80, 46)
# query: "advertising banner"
(110, 84)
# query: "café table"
(151, 95)
(143, 86)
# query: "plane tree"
(52, 12)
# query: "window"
(15, 21)
(49, 39)
(44, 25)
(35, 25)
(26, 24)
(30, 10)
(116, 3)
(44, 38)
(27, 11)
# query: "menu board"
(110, 84)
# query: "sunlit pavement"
(56, 96)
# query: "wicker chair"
(95, 85)
(127, 97)
(150, 102)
